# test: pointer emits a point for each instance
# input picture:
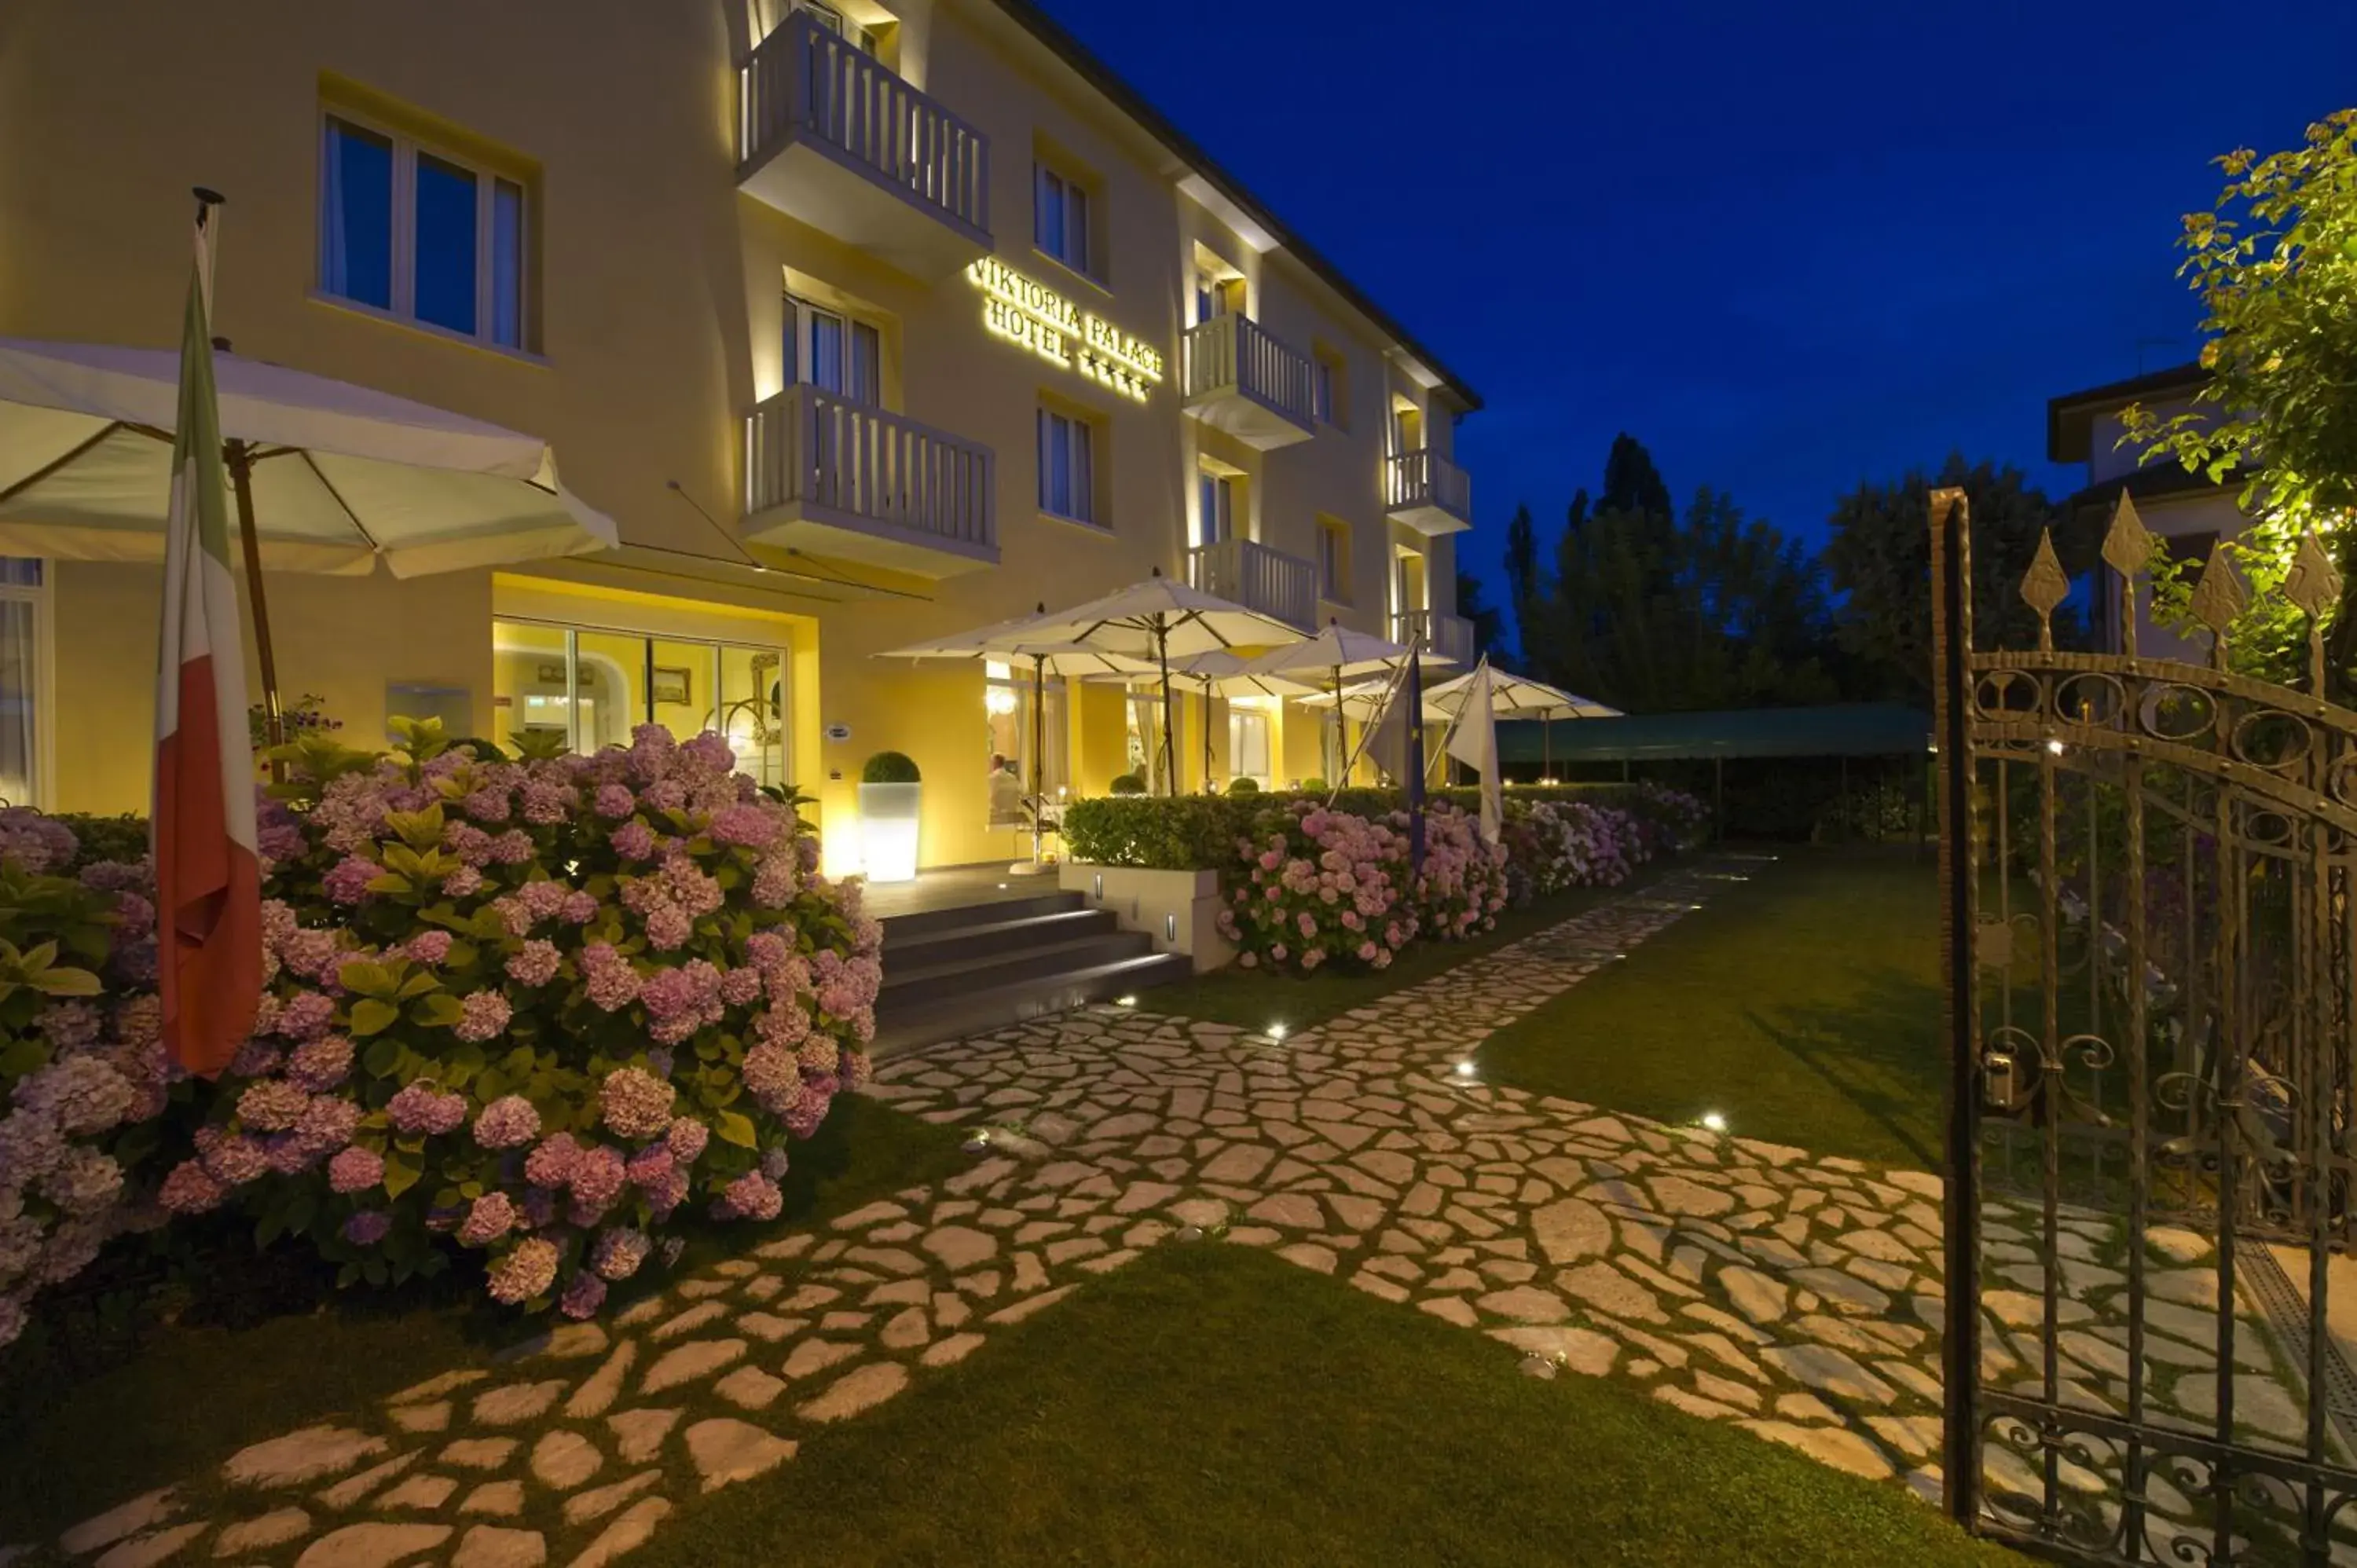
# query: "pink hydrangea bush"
(1562, 844)
(82, 1071)
(1317, 887)
(1462, 888)
(534, 1010)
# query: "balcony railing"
(806, 86)
(1250, 573)
(1427, 491)
(866, 484)
(1242, 380)
(1448, 639)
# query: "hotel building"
(867, 322)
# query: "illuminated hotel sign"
(1035, 315)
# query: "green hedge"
(105, 838)
(1199, 833)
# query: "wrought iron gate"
(2149, 875)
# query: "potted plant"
(891, 798)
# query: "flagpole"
(1415, 717)
(1039, 749)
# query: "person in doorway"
(1005, 792)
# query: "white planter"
(888, 831)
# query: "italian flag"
(207, 873)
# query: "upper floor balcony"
(1241, 380)
(859, 483)
(827, 135)
(1448, 639)
(1427, 492)
(1248, 572)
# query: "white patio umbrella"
(1336, 654)
(1520, 697)
(1162, 619)
(1006, 640)
(328, 477)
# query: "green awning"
(1842, 729)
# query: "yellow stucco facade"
(668, 237)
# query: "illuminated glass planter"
(888, 831)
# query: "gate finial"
(2044, 587)
(2313, 588)
(2217, 598)
(2128, 550)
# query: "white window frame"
(44, 695)
(1240, 719)
(1082, 458)
(1072, 243)
(801, 330)
(1322, 372)
(836, 22)
(403, 260)
(1215, 506)
(718, 647)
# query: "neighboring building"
(920, 303)
(2185, 512)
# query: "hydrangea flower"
(634, 1103)
(527, 1271)
(508, 1123)
(356, 1169)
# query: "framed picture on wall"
(673, 685)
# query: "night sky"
(1790, 247)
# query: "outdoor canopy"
(341, 476)
(1841, 729)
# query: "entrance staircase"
(948, 972)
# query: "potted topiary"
(1243, 785)
(1128, 784)
(891, 798)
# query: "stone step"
(982, 1006)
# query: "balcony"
(845, 479)
(1247, 573)
(1448, 639)
(1240, 379)
(827, 136)
(1427, 492)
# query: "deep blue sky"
(1789, 246)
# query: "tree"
(1631, 483)
(1880, 557)
(1649, 612)
(1526, 585)
(1488, 621)
(2274, 263)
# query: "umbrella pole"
(239, 459)
(1546, 747)
(1169, 747)
(1039, 747)
(1207, 735)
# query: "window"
(838, 353)
(421, 235)
(832, 20)
(1060, 219)
(1248, 748)
(24, 633)
(1334, 562)
(1014, 729)
(1408, 427)
(1215, 507)
(1328, 380)
(1067, 480)
(592, 685)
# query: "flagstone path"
(1736, 1280)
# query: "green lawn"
(1213, 1405)
(195, 1391)
(1254, 999)
(1803, 1006)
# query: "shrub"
(122, 839)
(1246, 786)
(1315, 887)
(80, 1073)
(1129, 784)
(533, 1008)
(1313, 786)
(890, 767)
